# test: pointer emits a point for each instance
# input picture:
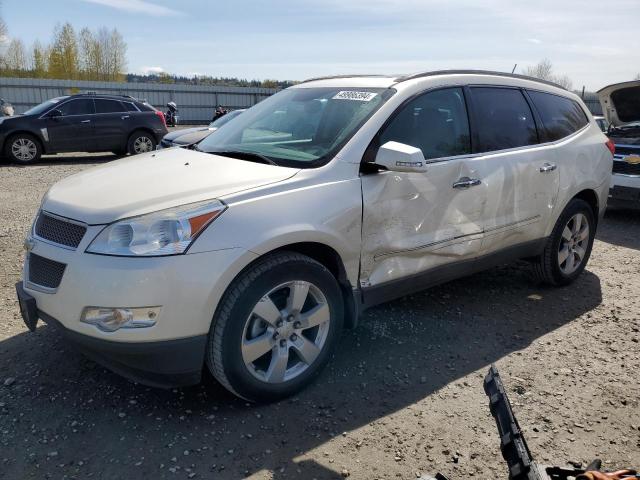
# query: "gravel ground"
(402, 398)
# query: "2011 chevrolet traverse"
(250, 254)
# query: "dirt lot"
(402, 398)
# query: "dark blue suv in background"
(82, 123)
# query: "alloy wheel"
(24, 149)
(285, 332)
(142, 145)
(573, 244)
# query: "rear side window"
(435, 122)
(130, 107)
(108, 106)
(145, 107)
(503, 119)
(561, 116)
(80, 106)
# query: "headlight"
(167, 232)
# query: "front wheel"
(23, 148)
(141, 142)
(275, 327)
(568, 248)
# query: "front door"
(417, 222)
(72, 131)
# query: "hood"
(193, 137)
(621, 102)
(155, 181)
(177, 134)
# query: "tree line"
(88, 55)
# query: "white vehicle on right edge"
(621, 106)
(249, 253)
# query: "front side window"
(503, 119)
(108, 106)
(44, 106)
(298, 127)
(435, 122)
(560, 116)
(80, 106)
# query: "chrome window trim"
(58, 105)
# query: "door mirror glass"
(399, 157)
(55, 113)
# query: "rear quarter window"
(503, 119)
(560, 116)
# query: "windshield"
(44, 106)
(299, 127)
(225, 118)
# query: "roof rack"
(404, 78)
(331, 77)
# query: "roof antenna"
(514, 68)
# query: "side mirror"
(55, 113)
(399, 157)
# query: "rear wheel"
(568, 248)
(23, 148)
(141, 142)
(275, 327)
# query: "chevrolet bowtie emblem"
(632, 159)
(29, 243)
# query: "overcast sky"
(594, 42)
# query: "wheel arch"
(24, 131)
(591, 197)
(332, 261)
(140, 129)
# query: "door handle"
(547, 167)
(466, 182)
(85, 121)
(124, 117)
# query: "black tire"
(224, 355)
(138, 138)
(547, 267)
(32, 149)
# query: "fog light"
(112, 319)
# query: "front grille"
(45, 272)
(620, 166)
(627, 149)
(59, 231)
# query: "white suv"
(250, 254)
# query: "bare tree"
(544, 71)
(637, 77)
(15, 59)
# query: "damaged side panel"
(413, 222)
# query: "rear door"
(111, 125)
(520, 174)
(415, 222)
(73, 130)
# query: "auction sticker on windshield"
(358, 96)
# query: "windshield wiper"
(242, 155)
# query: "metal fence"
(592, 102)
(195, 103)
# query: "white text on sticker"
(357, 96)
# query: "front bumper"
(164, 364)
(624, 191)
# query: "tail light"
(161, 115)
(611, 146)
